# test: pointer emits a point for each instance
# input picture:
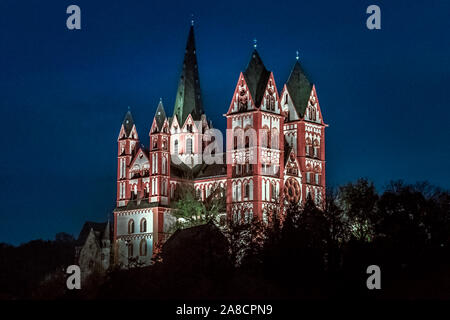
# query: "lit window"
(189, 146)
(131, 226)
(130, 249)
(143, 247)
(143, 225)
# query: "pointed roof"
(160, 116)
(256, 75)
(100, 230)
(299, 88)
(128, 123)
(188, 99)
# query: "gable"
(140, 161)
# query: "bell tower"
(254, 144)
(159, 157)
(128, 143)
(304, 131)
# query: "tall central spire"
(188, 99)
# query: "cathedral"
(275, 154)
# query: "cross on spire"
(255, 43)
(192, 19)
(296, 54)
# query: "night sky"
(384, 93)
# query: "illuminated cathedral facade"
(273, 153)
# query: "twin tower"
(274, 154)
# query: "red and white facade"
(275, 153)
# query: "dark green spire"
(128, 123)
(188, 99)
(160, 116)
(299, 88)
(256, 75)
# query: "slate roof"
(128, 123)
(99, 228)
(256, 75)
(199, 171)
(138, 204)
(299, 88)
(188, 98)
(160, 116)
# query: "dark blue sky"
(385, 93)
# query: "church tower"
(255, 162)
(189, 121)
(304, 132)
(128, 142)
(159, 157)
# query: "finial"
(192, 19)
(160, 100)
(255, 43)
(128, 108)
(296, 53)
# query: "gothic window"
(143, 225)
(247, 190)
(239, 191)
(247, 141)
(131, 226)
(143, 247)
(189, 127)
(172, 191)
(242, 101)
(155, 143)
(292, 190)
(163, 187)
(275, 139)
(274, 191)
(175, 147)
(316, 152)
(316, 149)
(155, 163)
(265, 137)
(189, 146)
(235, 142)
(130, 249)
(154, 186)
(236, 193)
(270, 101)
(312, 112)
(309, 177)
(164, 165)
(308, 147)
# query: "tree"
(191, 211)
(358, 201)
